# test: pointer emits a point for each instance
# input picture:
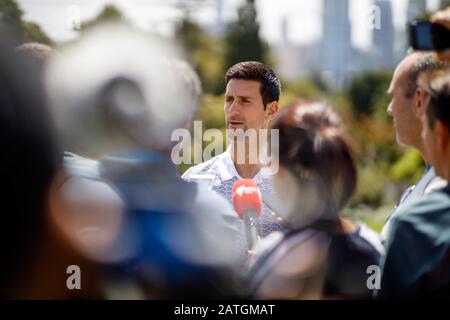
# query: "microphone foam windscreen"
(246, 196)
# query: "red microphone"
(247, 202)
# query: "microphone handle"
(251, 224)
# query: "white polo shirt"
(223, 174)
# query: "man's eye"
(228, 99)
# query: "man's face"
(244, 108)
(402, 108)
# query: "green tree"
(11, 23)
(242, 38)
(203, 50)
(108, 14)
(365, 89)
(409, 167)
(34, 33)
(10, 18)
(190, 35)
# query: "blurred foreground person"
(118, 95)
(35, 252)
(323, 255)
(417, 262)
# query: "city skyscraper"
(336, 44)
(333, 56)
(284, 30)
(218, 28)
(383, 37)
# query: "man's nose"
(389, 109)
(233, 109)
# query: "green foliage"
(380, 105)
(304, 89)
(370, 188)
(242, 39)
(11, 14)
(189, 34)
(320, 83)
(211, 112)
(213, 55)
(408, 167)
(212, 116)
(11, 23)
(34, 33)
(204, 52)
(365, 89)
(108, 14)
(373, 218)
(308, 88)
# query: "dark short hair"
(253, 70)
(436, 83)
(421, 65)
(312, 143)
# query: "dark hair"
(312, 144)
(253, 70)
(421, 65)
(29, 159)
(436, 83)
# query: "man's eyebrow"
(240, 97)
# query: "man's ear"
(272, 109)
(442, 136)
(421, 98)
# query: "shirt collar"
(228, 171)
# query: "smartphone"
(427, 36)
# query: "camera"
(424, 35)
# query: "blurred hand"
(442, 17)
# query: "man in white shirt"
(251, 102)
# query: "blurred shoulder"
(425, 219)
(428, 206)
